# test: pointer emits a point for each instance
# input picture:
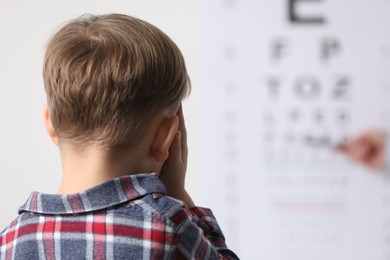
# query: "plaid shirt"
(124, 218)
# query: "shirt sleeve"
(199, 236)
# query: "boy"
(114, 87)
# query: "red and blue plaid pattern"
(124, 218)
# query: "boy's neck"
(90, 167)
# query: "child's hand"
(174, 169)
(368, 148)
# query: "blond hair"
(107, 76)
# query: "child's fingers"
(182, 125)
(175, 148)
(183, 130)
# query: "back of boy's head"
(106, 77)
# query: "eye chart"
(284, 82)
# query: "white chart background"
(269, 98)
(277, 94)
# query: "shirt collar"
(107, 194)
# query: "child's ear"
(49, 127)
(163, 137)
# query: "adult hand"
(368, 148)
(174, 169)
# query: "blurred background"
(277, 84)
